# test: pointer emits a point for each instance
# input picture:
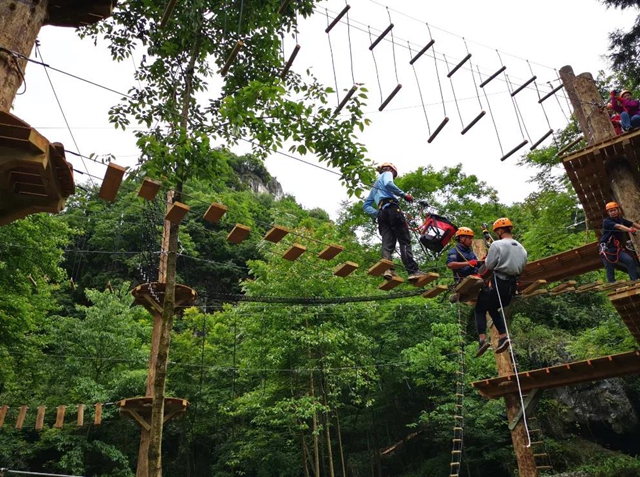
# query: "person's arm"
(390, 186)
(369, 205)
(493, 256)
(615, 104)
(628, 226)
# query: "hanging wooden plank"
(111, 182)
(22, 413)
(149, 189)
(380, 267)
(533, 287)
(40, 417)
(215, 212)
(276, 234)
(60, 417)
(80, 415)
(425, 279)
(391, 284)
(294, 252)
(230, 59)
(98, 417)
(346, 269)
(337, 18)
(330, 251)
(435, 291)
(3, 414)
(238, 234)
(177, 212)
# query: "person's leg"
(385, 227)
(480, 315)
(625, 120)
(628, 261)
(608, 266)
(635, 121)
(401, 229)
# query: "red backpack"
(436, 232)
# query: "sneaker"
(454, 297)
(483, 346)
(503, 345)
(389, 274)
(416, 275)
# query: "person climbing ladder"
(504, 264)
(392, 223)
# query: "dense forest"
(288, 369)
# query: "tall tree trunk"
(314, 427)
(168, 309)
(327, 430)
(342, 463)
(20, 23)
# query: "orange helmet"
(623, 92)
(502, 222)
(464, 231)
(611, 205)
(385, 165)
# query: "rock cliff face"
(259, 186)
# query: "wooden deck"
(587, 171)
(625, 364)
(151, 296)
(627, 301)
(563, 265)
(77, 13)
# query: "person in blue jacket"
(611, 249)
(461, 258)
(383, 205)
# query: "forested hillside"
(309, 374)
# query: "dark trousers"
(489, 302)
(393, 228)
(623, 258)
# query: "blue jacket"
(460, 253)
(383, 188)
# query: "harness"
(611, 257)
(460, 254)
(386, 201)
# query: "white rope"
(513, 359)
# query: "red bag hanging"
(436, 232)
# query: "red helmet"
(502, 222)
(388, 165)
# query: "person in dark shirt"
(611, 249)
(461, 259)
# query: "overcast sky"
(549, 34)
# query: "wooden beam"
(176, 212)
(294, 252)
(149, 189)
(391, 284)
(530, 403)
(238, 234)
(22, 413)
(215, 212)
(276, 234)
(60, 417)
(380, 267)
(330, 251)
(563, 286)
(346, 269)
(40, 417)
(435, 291)
(111, 182)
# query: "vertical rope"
(493, 119)
(435, 61)
(544, 111)
(393, 48)
(333, 65)
(473, 76)
(415, 73)
(455, 99)
(375, 64)
(353, 77)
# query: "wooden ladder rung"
(544, 467)
(540, 455)
(456, 452)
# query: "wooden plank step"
(98, 416)
(294, 252)
(149, 189)
(80, 422)
(380, 267)
(3, 414)
(540, 455)
(276, 234)
(391, 284)
(330, 251)
(40, 417)
(537, 443)
(60, 417)
(425, 279)
(21, 415)
(111, 182)
(544, 467)
(346, 269)
(177, 212)
(238, 234)
(435, 291)
(456, 452)
(215, 212)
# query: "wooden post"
(20, 23)
(586, 101)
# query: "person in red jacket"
(628, 108)
(615, 119)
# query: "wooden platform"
(34, 174)
(563, 265)
(139, 409)
(587, 171)
(77, 13)
(625, 364)
(626, 300)
(151, 296)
